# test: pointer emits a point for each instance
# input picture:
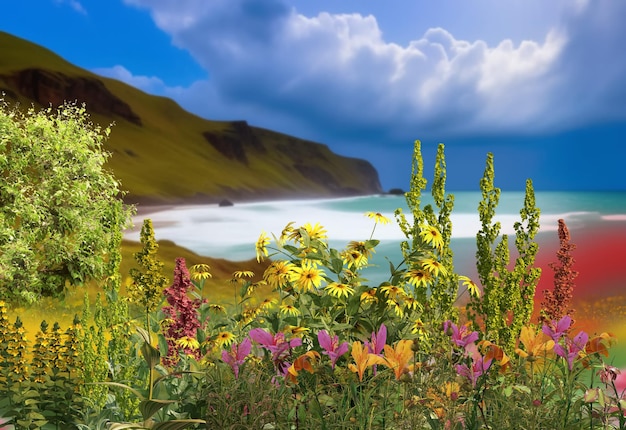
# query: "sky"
(540, 84)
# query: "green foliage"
(60, 211)
(439, 298)
(146, 290)
(508, 296)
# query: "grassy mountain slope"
(163, 154)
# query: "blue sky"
(540, 84)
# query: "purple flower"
(479, 367)
(557, 329)
(331, 346)
(277, 345)
(574, 346)
(378, 340)
(237, 355)
(377, 343)
(460, 335)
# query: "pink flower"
(479, 368)
(277, 345)
(378, 341)
(574, 346)
(237, 355)
(557, 329)
(460, 335)
(331, 346)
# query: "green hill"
(163, 154)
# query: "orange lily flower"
(492, 351)
(600, 344)
(363, 359)
(302, 363)
(536, 345)
(398, 358)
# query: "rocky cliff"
(163, 154)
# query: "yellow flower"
(286, 233)
(267, 303)
(398, 358)
(362, 247)
(536, 345)
(278, 274)
(295, 330)
(434, 267)
(261, 247)
(289, 310)
(431, 235)
(377, 217)
(369, 296)
(418, 277)
(472, 288)
(217, 308)
(395, 305)
(338, 290)
(187, 342)
(353, 256)
(393, 290)
(243, 274)
(200, 272)
(224, 338)
(316, 231)
(307, 277)
(411, 303)
(363, 359)
(418, 327)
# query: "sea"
(231, 232)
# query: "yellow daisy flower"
(278, 274)
(395, 305)
(307, 277)
(377, 217)
(393, 290)
(261, 247)
(267, 304)
(369, 296)
(224, 338)
(354, 257)
(217, 308)
(418, 277)
(243, 274)
(338, 290)
(411, 303)
(431, 235)
(295, 330)
(289, 310)
(315, 231)
(286, 233)
(187, 342)
(434, 267)
(362, 247)
(471, 286)
(418, 327)
(200, 272)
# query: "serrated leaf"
(176, 424)
(150, 407)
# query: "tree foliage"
(61, 212)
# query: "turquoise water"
(231, 232)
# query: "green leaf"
(150, 407)
(151, 355)
(176, 424)
(122, 426)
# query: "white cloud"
(74, 4)
(149, 84)
(337, 72)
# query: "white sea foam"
(231, 232)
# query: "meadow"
(306, 341)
